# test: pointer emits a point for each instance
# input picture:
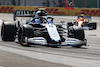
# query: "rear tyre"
(8, 31)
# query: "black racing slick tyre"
(76, 32)
(24, 33)
(8, 31)
(21, 38)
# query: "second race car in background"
(85, 22)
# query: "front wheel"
(22, 39)
(76, 32)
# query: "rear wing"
(87, 17)
(23, 13)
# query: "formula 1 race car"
(39, 26)
(85, 22)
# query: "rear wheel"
(8, 31)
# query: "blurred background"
(54, 3)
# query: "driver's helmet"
(82, 15)
(41, 12)
(36, 21)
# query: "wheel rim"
(21, 39)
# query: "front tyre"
(78, 33)
(22, 39)
(24, 33)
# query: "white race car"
(41, 27)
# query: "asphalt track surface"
(13, 54)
